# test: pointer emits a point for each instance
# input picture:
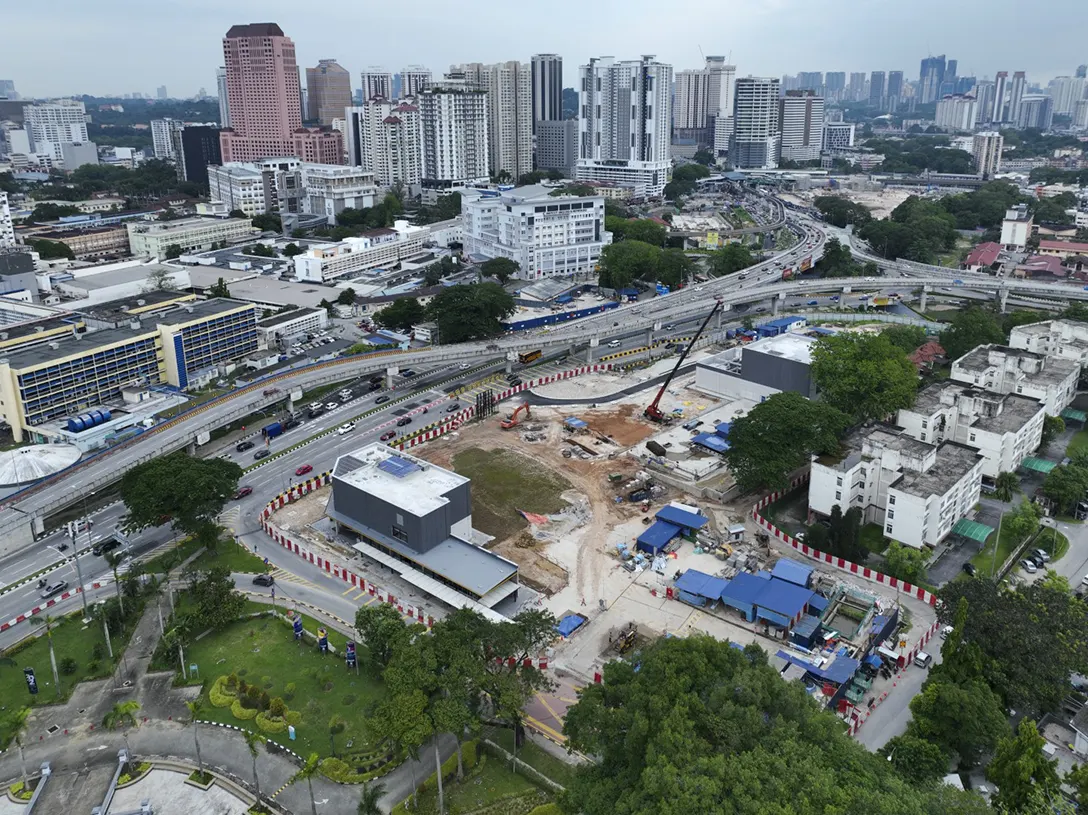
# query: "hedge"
(341, 772)
(293, 717)
(547, 809)
(218, 696)
(269, 724)
(244, 713)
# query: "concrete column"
(390, 372)
(924, 299)
(591, 349)
(1003, 298)
(190, 448)
(509, 366)
(649, 336)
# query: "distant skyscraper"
(510, 113)
(160, 93)
(703, 97)
(414, 80)
(199, 149)
(834, 85)
(756, 133)
(54, 124)
(957, 113)
(986, 151)
(1001, 87)
(1066, 91)
(625, 113)
(801, 120)
(948, 81)
(1016, 94)
(984, 93)
(383, 136)
(930, 77)
(894, 92)
(1082, 72)
(876, 89)
(856, 90)
(547, 70)
(328, 91)
(455, 143)
(164, 137)
(376, 82)
(221, 86)
(1036, 111)
(7, 89)
(811, 80)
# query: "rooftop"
(883, 437)
(183, 224)
(954, 461)
(985, 254)
(287, 316)
(42, 354)
(1064, 246)
(124, 308)
(1016, 411)
(255, 30)
(119, 277)
(404, 481)
(276, 292)
(196, 310)
(791, 345)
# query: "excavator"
(653, 412)
(512, 420)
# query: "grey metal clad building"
(421, 515)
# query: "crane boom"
(653, 412)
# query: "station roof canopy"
(972, 529)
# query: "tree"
(502, 269)
(48, 621)
(907, 338)
(1065, 486)
(252, 742)
(196, 709)
(1053, 426)
(636, 229)
(219, 289)
(702, 727)
(383, 630)
(863, 375)
(122, 716)
(114, 560)
(268, 222)
(261, 250)
(474, 312)
(160, 278)
(346, 297)
(15, 723)
(841, 212)
(215, 603)
(674, 268)
(1020, 767)
(838, 262)
(237, 213)
(306, 772)
(703, 157)
(292, 250)
(53, 212)
(173, 251)
(51, 250)
(191, 491)
(905, 562)
(1023, 520)
(627, 261)
(730, 258)
(401, 314)
(1077, 778)
(917, 760)
(1005, 485)
(369, 800)
(329, 307)
(969, 328)
(778, 436)
(963, 719)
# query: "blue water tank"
(106, 415)
(75, 424)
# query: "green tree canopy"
(839, 211)
(971, 327)
(346, 297)
(292, 249)
(779, 435)
(730, 258)
(219, 289)
(963, 719)
(49, 211)
(863, 375)
(383, 630)
(1020, 767)
(401, 314)
(917, 760)
(470, 312)
(214, 601)
(837, 261)
(905, 562)
(627, 261)
(636, 229)
(502, 269)
(268, 222)
(1066, 485)
(907, 338)
(52, 250)
(674, 267)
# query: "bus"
(530, 356)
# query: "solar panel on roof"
(396, 466)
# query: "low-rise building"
(329, 189)
(1062, 249)
(155, 239)
(284, 327)
(87, 244)
(999, 368)
(547, 236)
(376, 249)
(1004, 427)
(1053, 338)
(982, 257)
(760, 369)
(914, 490)
(416, 518)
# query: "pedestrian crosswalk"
(230, 518)
(283, 576)
(364, 599)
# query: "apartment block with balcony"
(999, 368)
(915, 491)
(1004, 427)
(329, 189)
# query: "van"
(923, 660)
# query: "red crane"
(653, 412)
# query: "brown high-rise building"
(264, 97)
(328, 92)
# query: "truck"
(530, 356)
(270, 431)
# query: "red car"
(305, 468)
(243, 492)
(390, 435)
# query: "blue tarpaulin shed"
(873, 661)
(711, 441)
(784, 599)
(792, 572)
(805, 632)
(684, 518)
(699, 588)
(575, 422)
(817, 605)
(657, 537)
(723, 429)
(839, 671)
(766, 598)
(741, 593)
(569, 624)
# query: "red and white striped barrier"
(48, 604)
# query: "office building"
(774, 363)
(894, 91)
(1082, 72)
(557, 146)
(199, 150)
(374, 249)
(160, 92)
(279, 330)
(838, 136)
(7, 230)
(1080, 115)
(756, 133)
(385, 138)
(984, 94)
(855, 92)
(329, 189)
(413, 81)
(7, 90)
(801, 117)
(546, 235)
(625, 114)
(547, 78)
(1001, 89)
(89, 242)
(454, 123)
(1036, 111)
(74, 156)
(915, 491)
(1001, 369)
(1016, 95)
(877, 93)
(416, 519)
(272, 185)
(957, 113)
(1016, 227)
(155, 239)
(931, 77)
(1005, 428)
(221, 90)
(835, 85)
(42, 385)
(986, 151)
(702, 98)
(328, 92)
(164, 135)
(376, 82)
(509, 90)
(52, 124)
(1066, 91)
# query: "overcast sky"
(123, 46)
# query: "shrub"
(217, 695)
(270, 725)
(293, 717)
(547, 809)
(265, 700)
(277, 708)
(240, 712)
(92, 668)
(266, 682)
(253, 693)
(68, 666)
(289, 690)
(243, 687)
(98, 653)
(232, 681)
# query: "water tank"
(106, 415)
(76, 425)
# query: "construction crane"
(512, 420)
(653, 412)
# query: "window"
(888, 529)
(972, 437)
(399, 534)
(925, 424)
(891, 500)
(838, 481)
(891, 514)
(400, 519)
(923, 437)
(838, 496)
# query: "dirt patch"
(535, 570)
(622, 424)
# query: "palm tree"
(113, 559)
(122, 715)
(16, 721)
(252, 740)
(48, 620)
(308, 771)
(368, 801)
(1005, 485)
(196, 707)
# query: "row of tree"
(462, 313)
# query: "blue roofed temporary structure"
(817, 604)
(780, 326)
(711, 441)
(741, 593)
(699, 588)
(657, 537)
(782, 603)
(575, 422)
(792, 572)
(684, 518)
(804, 633)
(723, 429)
(569, 624)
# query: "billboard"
(713, 240)
(806, 264)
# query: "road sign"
(31, 682)
(193, 668)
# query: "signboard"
(349, 653)
(203, 437)
(31, 682)
(323, 640)
(806, 264)
(713, 240)
(661, 290)
(297, 625)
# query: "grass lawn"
(1054, 543)
(1078, 443)
(484, 786)
(235, 557)
(872, 538)
(171, 556)
(535, 756)
(504, 482)
(263, 650)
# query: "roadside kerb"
(52, 601)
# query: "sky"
(125, 46)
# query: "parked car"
(1038, 561)
(54, 588)
(265, 453)
(390, 434)
(1043, 554)
(970, 568)
(243, 492)
(241, 447)
(264, 580)
(383, 398)
(305, 468)
(1028, 566)
(344, 429)
(404, 420)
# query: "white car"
(1028, 566)
(344, 429)
(332, 406)
(463, 366)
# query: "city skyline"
(187, 60)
